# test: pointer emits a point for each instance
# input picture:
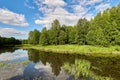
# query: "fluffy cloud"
(89, 16)
(102, 7)
(9, 17)
(50, 3)
(91, 2)
(59, 9)
(18, 54)
(59, 13)
(48, 6)
(11, 32)
(48, 72)
(55, 3)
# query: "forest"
(9, 41)
(103, 30)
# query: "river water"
(30, 64)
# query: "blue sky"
(18, 17)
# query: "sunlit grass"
(2, 64)
(22, 63)
(79, 49)
(25, 63)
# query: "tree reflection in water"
(7, 49)
(82, 70)
(79, 66)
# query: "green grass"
(78, 49)
(2, 64)
(23, 63)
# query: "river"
(30, 64)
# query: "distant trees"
(8, 41)
(103, 30)
(25, 41)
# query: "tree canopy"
(103, 30)
(9, 41)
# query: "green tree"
(54, 32)
(71, 31)
(44, 39)
(62, 37)
(24, 41)
(103, 30)
(96, 37)
(30, 38)
(34, 37)
(81, 31)
(9, 41)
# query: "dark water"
(19, 64)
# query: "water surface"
(17, 64)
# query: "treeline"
(9, 41)
(103, 30)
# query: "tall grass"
(78, 49)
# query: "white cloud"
(18, 54)
(102, 7)
(26, 4)
(50, 3)
(54, 3)
(57, 10)
(49, 72)
(9, 17)
(41, 66)
(89, 16)
(42, 22)
(54, 10)
(91, 2)
(47, 6)
(79, 8)
(61, 14)
(11, 32)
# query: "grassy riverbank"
(77, 49)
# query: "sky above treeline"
(18, 17)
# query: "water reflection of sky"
(15, 70)
(47, 74)
(15, 56)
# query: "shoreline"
(78, 49)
